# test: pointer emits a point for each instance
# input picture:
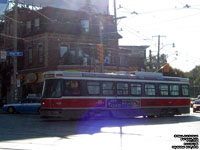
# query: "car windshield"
(197, 102)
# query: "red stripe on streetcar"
(73, 103)
(165, 102)
(101, 103)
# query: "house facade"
(58, 39)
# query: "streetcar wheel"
(150, 116)
(11, 110)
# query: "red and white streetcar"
(74, 95)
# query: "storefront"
(31, 84)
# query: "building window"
(41, 53)
(30, 55)
(37, 23)
(123, 60)
(28, 26)
(63, 50)
(85, 26)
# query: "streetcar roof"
(136, 76)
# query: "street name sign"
(14, 53)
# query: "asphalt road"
(30, 132)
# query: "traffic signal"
(166, 67)
(100, 53)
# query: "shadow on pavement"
(24, 126)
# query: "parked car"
(196, 106)
(192, 100)
(27, 105)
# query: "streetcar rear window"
(93, 88)
(136, 88)
(163, 90)
(52, 88)
(174, 90)
(185, 90)
(122, 89)
(150, 90)
(108, 88)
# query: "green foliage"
(163, 59)
(153, 66)
(194, 75)
(174, 72)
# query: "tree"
(153, 63)
(194, 76)
(174, 72)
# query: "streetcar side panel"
(75, 97)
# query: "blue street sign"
(14, 53)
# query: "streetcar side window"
(185, 90)
(108, 88)
(71, 87)
(150, 90)
(93, 87)
(136, 88)
(53, 88)
(163, 90)
(122, 89)
(174, 90)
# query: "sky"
(176, 21)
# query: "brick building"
(57, 39)
(136, 57)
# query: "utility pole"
(15, 90)
(115, 21)
(158, 59)
(115, 13)
(158, 55)
(150, 60)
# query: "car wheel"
(194, 110)
(11, 110)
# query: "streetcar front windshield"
(52, 88)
